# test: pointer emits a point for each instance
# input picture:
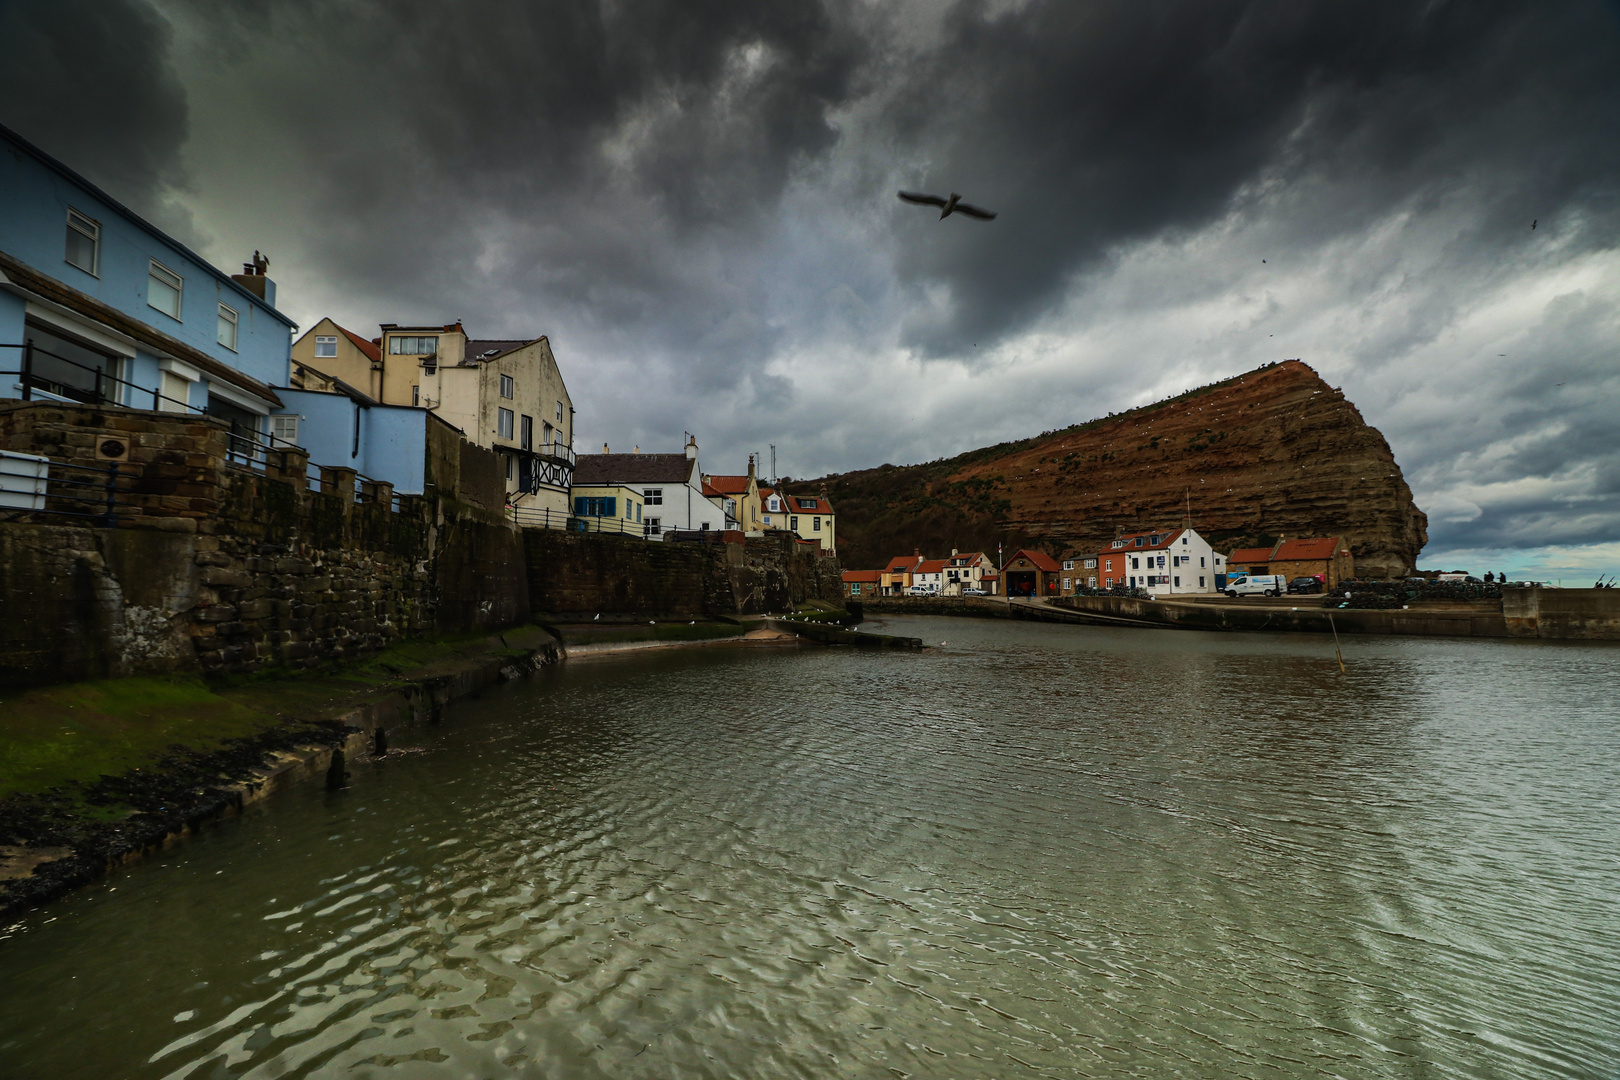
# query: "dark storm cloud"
(90, 82)
(696, 200)
(1092, 125)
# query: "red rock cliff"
(1275, 452)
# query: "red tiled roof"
(371, 349)
(863, 576)
(818, 505)
(932, 566)
(1321, 547)
(902, 562)
(1248, 555)
(730, 485)
(1041, 560)
(712, 492)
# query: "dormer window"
(1138, 541)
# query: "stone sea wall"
(217, 567)
(581, 575)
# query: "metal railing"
(32, 381)
(32, 485)
(533, 517)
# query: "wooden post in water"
(1336, 650)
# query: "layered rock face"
(1269, 454)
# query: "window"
(325, 346)
(1136, 564)
(506, 387)
(508, 459)
(176, 392)
(545, 434)
(652, 527)
(559, 412)
(807, 504)
(1184, 539)
(654, 496)
(526, 431)
(284, 431)
(163, 288)
(1200, 560)
(595, 506)
(773, 504)
(416, 395)
(1137, 541)
(793, 523)
(1178, 581)
(1200, 581)
(226, 334)
(413, 346)
(83, 242)
(503, 423)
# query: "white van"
(1256, 585)
(923, 590)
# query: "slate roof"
(1166, 538)
(633, 469)
(494, 346)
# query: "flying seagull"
(1533, 225)
(952, 205)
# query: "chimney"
(691, 447)
(253, 279)
(637, 450)
(953, 553)
(605, 450)
(751, 475)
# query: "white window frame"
(283, 429)
(325, 339)
(228, 314)
(90, 229)
(508, 387)
(559, 412)
(157, 272)
(504, 421)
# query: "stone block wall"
(578, 575)
(225, 569)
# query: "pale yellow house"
(610, 508)
(506, 395)
(739, 497)
(810, 517)
(327, 351)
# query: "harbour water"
(1032, 851)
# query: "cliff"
(1275, 452)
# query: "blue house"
(98, 305)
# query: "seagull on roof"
(952, 205)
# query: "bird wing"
(923, 200)
(974, 211)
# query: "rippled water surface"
(1042, 851)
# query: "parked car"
(974, 592)
(1307, 584)
(923, 590)
(1255, 585)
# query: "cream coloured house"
(506, 395)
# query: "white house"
(671, 487)
(966, 570)
(1169, 562)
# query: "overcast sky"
(696, 202)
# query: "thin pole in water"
(1336, 650)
